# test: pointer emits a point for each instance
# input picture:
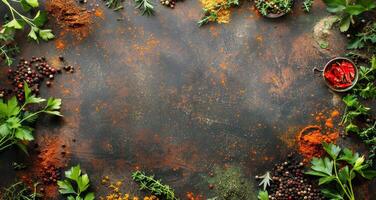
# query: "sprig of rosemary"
(154, 186)
(307, 5)
(114, 4)
(146, 6)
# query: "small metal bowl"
(336, 59)
(273, 15)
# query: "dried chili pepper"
(340, 74)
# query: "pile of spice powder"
(223, 15)
(310, 141)
(70, 17)
(116, 193)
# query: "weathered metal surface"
(174, 99)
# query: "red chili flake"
(340, 74)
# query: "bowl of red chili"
(340, 74)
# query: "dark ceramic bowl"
(334, 60)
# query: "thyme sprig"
(154, 186)
(307, 5)
(114, 4)
(146, 7)
(20, 191)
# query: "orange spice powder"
(310, 141)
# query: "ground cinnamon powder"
(70, 17)
(310, 141)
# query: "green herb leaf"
(349, 156)
(40, 19)
(331, 194)
(355, 9)
(65, 187)
(263, 195)
(73, 173)
(89, 196)
(33, 3)
(53, 104)
(345, 23)
(326, 180)
(81, 181)
(350, 100)
(14, 24)
(24, 133)
(332, 149)
(46, 34)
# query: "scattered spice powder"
(70, 17)
(310, 141)
(192, 196)
(59, 44)
(223, 16)
(116, 193)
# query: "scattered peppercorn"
(50, 174)
(289, 183)
(33, 72)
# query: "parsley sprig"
(79, 189)
(15, 119)
(19, 20)
(339, 170)
(153, 185)
(146, 7)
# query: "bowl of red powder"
(340, 74)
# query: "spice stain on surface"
(310, 141)
(70, 17)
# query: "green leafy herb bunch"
(15, 118)
(19, 20)
(76, 185)
(337, 172)
(154, 186)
